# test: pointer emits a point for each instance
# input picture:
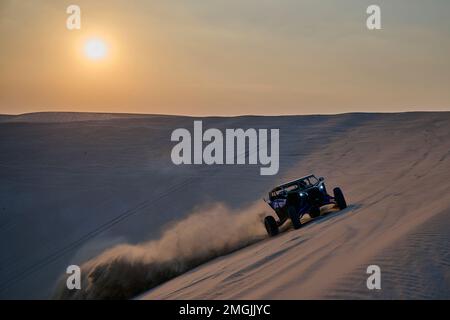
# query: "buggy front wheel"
(314, 212)
(339, 198)
(295, 217)
(271, 226)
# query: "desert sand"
(101, 191)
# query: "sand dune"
(395, 174)
(61, 117)
(75, 189)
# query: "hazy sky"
(225, 56)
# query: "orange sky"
(225, 57)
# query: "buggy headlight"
(302, 194)
(321, 187)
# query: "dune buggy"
(293, 199)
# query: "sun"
(95, 49)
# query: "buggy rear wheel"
(339, 197)
(294, 216)
(271, 226)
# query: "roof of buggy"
(293, 182)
